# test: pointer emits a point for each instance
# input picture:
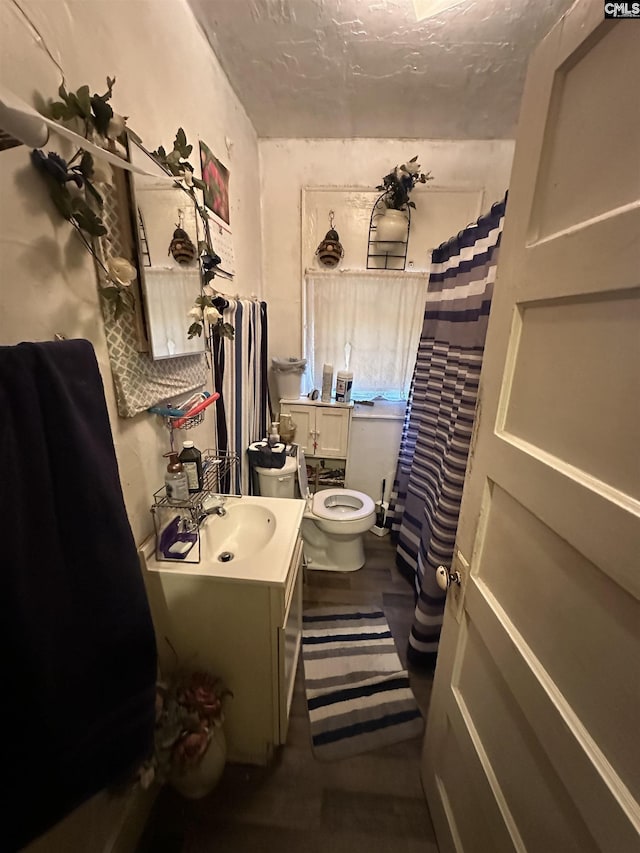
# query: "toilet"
(334, 519)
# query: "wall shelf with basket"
(388, 237)
(189, 414)
(177, 522)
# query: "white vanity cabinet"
(247, 632)
(322, 429)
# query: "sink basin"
(253, 541)
(242, 532)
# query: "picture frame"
(215, 177)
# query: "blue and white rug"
(358, 694)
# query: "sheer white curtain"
(380, 313)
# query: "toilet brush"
(380, 512)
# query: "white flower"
(121, 272)
(412, 168)
(116, 126)
(212, 315)
(187, 177)
(195, 313)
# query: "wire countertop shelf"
(177, 522)
(217, 467)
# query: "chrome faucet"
(214, 505)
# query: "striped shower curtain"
(425, 502)
(240, 376)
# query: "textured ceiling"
(367, 68)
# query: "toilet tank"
(278, 482)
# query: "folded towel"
(79, 688)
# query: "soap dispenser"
(175, 479)
(274, 436)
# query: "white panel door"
(532, 741)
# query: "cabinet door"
(289, 638)
(332, 432)
(304, 419)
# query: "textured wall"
(166, 76)
(288, 165)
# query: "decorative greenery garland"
(74, 192)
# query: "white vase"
(198, 780)
(391, 231)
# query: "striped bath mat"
(358, 694)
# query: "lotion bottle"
(175, 480)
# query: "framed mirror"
(168, 263)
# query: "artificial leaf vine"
(74, 189)
(73, 184)
(204, 310)
(177, 160)
(94, 111)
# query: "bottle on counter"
(175, 480)
(344, 382)
(274, 436)
(191, 459)
(327, 382)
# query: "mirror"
(169, 267)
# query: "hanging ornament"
(181, 246)
(330, 251)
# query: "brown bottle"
(191, 460)
(175, 480)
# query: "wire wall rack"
(179, 521)
(386, 254)
(190, 414)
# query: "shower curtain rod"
(235, 296)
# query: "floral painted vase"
(197, 780)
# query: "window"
(379, 314)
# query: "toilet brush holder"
(381, 513)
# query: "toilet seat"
(341, 505)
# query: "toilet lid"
(345, 504)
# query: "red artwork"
(216, 179)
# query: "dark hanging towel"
(78, 684)
(427, 492)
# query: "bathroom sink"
(242, 532)
(253, 540)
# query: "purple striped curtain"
(425, 502)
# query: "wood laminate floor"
(370, 803)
